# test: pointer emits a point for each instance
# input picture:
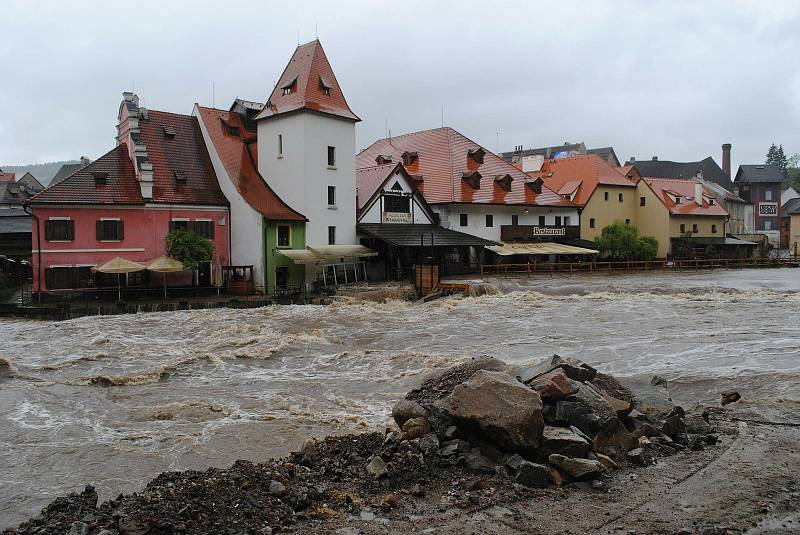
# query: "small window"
(768, 195)
(694, 227)
(232, 130)
(287, 90)
(558, 220)
(642, 201)
(59, 230)
(280, 144)
(712, 201)
(204, 229)
(331, 156)
(592, 223)
(462, 220)
(627, 221)
(713, 229)
(767, 225)
(326, 91)
(282, 278)
(678, 200)
(180, 177)
(566, 220)
(284, 235)
(489, 220)
(683, 228)
(397, 204)
(605, 195)
(515, 220)
(169, 132)
(331, 235)
(620, 197)
(179, 224)
(541, 221)
(100, 178)
(331, 195)
(109, 230)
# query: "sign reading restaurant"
(547, 231)
(768, 208)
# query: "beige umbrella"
(217, 273)
(120, 265)
(165, 264)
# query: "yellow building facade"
(607, 205)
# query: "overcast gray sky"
(674, 79)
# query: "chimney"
(698, 193)
(655, 158)
(85, 161)
(129, 132)
(726, 159)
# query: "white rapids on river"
(115, 400)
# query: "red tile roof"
(239, 155)
(442, 163)
(685, 189)
(80, 187)
(369, 179)
(7, 177)
(186, 154)
(583, 173)
(307, 77)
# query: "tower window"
(280, 144)
(463, 220)
(331, 156)
(331, 235)
(331, 195)
(489, 220)
(642, 201)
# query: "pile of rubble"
(555, 423)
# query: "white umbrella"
(165, 264)
(119, 265)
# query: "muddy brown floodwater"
(114, 401)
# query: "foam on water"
(120, 399)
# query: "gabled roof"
(65, 170)
(606, 153)
(759, 173)
(791, 207)
(371, 180)
(685, 189)
(307, 78)
(683, 170)
(121, 186)
(183, 153)
(7, 177)
(585, 171)
(239, 154)
(443, 159)
(28, 180)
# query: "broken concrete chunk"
(532, 475)
(554, 385)
(377, 467)
(564, 441)
(577, 468)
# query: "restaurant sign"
(768, 208)
(396, 217)
(547, 231)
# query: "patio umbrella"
(217, 273)
(165, 264)
(119, 265)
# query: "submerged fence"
(634, 265)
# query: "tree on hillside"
(621, 241)
(776, 156)
(793, 172)
(189, 248)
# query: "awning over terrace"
(538, 248)
(326, 254)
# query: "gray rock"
(367, 514)
(440, 384)
(573, 368)
(613, 439)
(648, 399)
(276, 488)
(461, 446)
(377, 467)
(657, 380)
(497, 407)
(577, 468)
(532, 475)
(107, 532)
(429, 444)
(348, 531)
(405, 409)
(563, 441)
(477, 462)
(594, 400)
(638, 456)
(576, 413)
(78, 528)
(514, 461)
(451, 432)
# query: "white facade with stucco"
(450, 216)
(296, 166)
(397, 184)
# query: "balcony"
(529, 233)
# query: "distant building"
(530, 160)
(788, 194)
(158, 178)
(707, 168)
(15, 223)
(761, 186)
(740, 212)
(790, 226)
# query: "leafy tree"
(777, 157)
(188, 247)
(621, 241)
(793, 172)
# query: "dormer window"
(536, 185)
(289, 86)
(410, 157)
(169, 133)
(180, 177)
(100, 178)
(678, 199)
(476, 154)
(711, 201)
(383, 159)
(325, 86)
(473, 178)
(230, 129)
(504, 181)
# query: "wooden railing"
(633, 265)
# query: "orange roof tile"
(238, 152)
(369, 179)
(309, 84)
(447, 170)
(587, 171)
(686, 189)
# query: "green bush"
(189, 248)
(621, 241)
(6, 290)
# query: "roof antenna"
(316, 31)
(298, 36)
(442, 115)
(390, 136)
(497, 147)
(386, 127)
(213, 95)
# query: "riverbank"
(735, 477)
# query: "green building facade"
(282, 274)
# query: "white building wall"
(246, 225)
(373, 214)
(450, 215)
(301, 175)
